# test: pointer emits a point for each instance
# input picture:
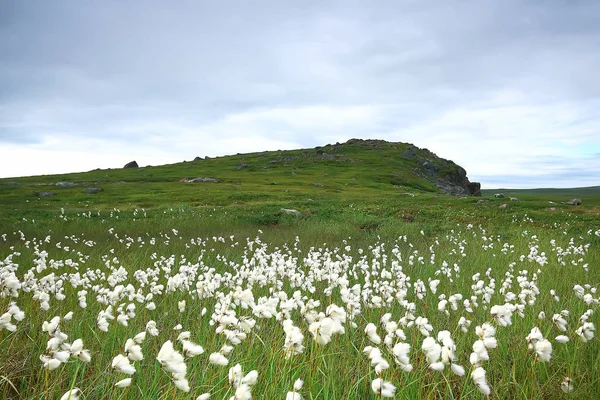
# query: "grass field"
(336, 297)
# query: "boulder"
(503, 206)
(199, 180)
(132, 164)
(45, 194)
(65, 184)
(499, 195)
(316, 184)
(513, 199)
(481, 201)
(198, 159)
(291, 211)
(572, 202)
(91, 190)
(474, 188)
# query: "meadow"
(384, 290)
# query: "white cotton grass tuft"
(294, 395)
(383, 388)
(478, 376)
(72, 394)
(123, 383)
(567, 385)
(218, 359)
(172, 361)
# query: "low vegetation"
(156, 288)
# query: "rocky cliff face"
(445, 174)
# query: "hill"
(356, 168)
(362, 183)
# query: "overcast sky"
(510, 90)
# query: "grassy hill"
(363, 182)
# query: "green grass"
(362, 204)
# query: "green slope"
(350, 170)
(364, 183)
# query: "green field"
(290, 296)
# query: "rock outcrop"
(445, 174)
(291, 211)
(200, 180)
(65, 184)
(131, 164)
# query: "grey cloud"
(141, 72)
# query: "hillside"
(355, 168)
(364, 183)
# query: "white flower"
(298, 384)
(218, 359)
(543, 349)
(562, 339)
(478, 376)
(182, 384)
(566, 385)
(204, 396)
(123, 383)
(235, 375)
(400, 352)
(243, 392)
(423, 325)
(321, 330)
(371, 332)
(72, 394)
(586, 331)
(383, 388)
(191, 349)
(122, 364)
(251, 378)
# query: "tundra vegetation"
(379, 287)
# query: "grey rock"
(197, 158)
(45, 194)
(514, 199)
(572, 202)
(474, 188)
(92, 190)
(291, 211)
(316, 184)
(503, 206)
(445, 174)
(200, 180)
(65, 184)
(131, 164)
(241, 166)
(14, 184)
(481, 201)
(499, 195)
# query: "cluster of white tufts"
(327, 294)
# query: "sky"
(509, 90)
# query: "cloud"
(501, 88)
